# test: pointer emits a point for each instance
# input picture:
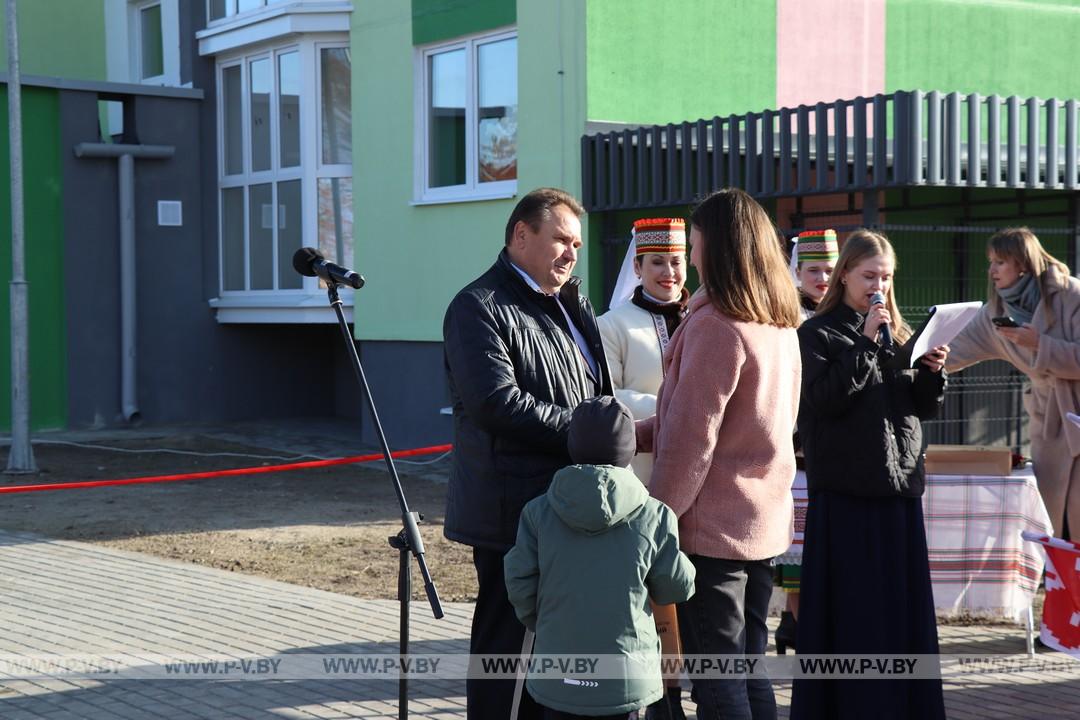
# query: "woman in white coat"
(647, 306)
(1034, 289)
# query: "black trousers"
(495, 630)
(726, 616)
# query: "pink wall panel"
(829, 49)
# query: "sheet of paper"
(945, 324)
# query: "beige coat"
(1054, 370)
(635, 359)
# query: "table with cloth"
(979, 564)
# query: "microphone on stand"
(312, 263)
(884, 332)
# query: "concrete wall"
(190, 368)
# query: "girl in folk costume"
(1032, 287)
(813, 260)
(648, 304)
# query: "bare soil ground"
(325, 528)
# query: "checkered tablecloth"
(978, 561)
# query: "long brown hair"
(862, 245)
(743, 269)
(1021, 245)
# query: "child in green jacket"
(589, 555)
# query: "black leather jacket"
(859, 419)
(515, 375)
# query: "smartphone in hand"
(1004, 321)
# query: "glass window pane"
(336, 219)
(245, 5)
(232, 238)
(446, 122)
(289, 233)
(289, 108)
(153, 62)
(260, 74)
(497, 112)
(261, 237)
(217, 9)
(336, 106)
(232, 120)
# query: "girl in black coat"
(865, 574)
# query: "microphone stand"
(408, 539)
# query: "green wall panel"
(657, 62)
(59, 38)
(417, 256)
(44, 242)
(435, 20)
(1021, 47)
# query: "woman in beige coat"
(1035, 290)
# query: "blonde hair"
(1021, 245)
(743, 268)
(863, 245)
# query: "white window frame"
(123, 42)
(473, 189)
(231, 11)
(137, 45)
(275, 305)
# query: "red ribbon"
(225, 473)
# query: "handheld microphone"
(310, 262)
(884, 333)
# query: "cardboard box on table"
(968, 460)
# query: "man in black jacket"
(522, 350)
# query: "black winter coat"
(859, 420)
(515, 376)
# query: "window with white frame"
(285, 162)
(467, 119)
(149, 50)
(219, 9)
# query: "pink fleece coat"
(724, 460)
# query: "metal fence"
(941, 264)
(901, 139)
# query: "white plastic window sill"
(464, 196)
(280, 307)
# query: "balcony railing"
(903, 139)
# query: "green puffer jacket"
(589, 555)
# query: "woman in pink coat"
(1033, 288)
(721, 438)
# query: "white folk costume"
(637, 328)
(636, 331)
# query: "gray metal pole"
(128, 404)
(21, 457)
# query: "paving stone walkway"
(75, 599)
